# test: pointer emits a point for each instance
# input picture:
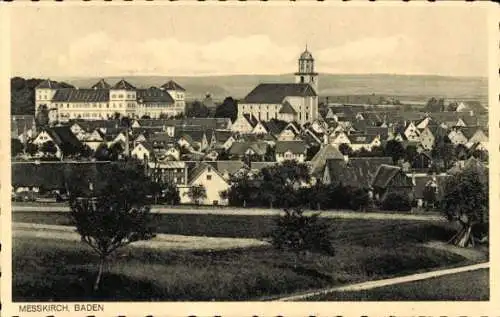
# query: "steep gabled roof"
(229, 167)
(356, 172)
(101, 84)
(123, 85)
(296, 147)
(275, 126)
(251, 119)
(327, 152)
(239, 148)
(48, 84)
(172, 85)
(286, 108)
(276, 93)
(195, 172)
(385, 174)
(65, 139)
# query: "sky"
(177, 40)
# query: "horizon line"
(243, 74)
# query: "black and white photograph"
(246, 153)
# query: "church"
(286, 101)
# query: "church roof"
(306, 55)
(275, 93)
(123, 85)
(101, 84)
(287, 108)
(172, 85)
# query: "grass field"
(242, 226)
(468, 286)
(365, 250)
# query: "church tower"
(306, 72)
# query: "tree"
(31, 148)
(228, 109)
(16, 147)
(146, 117)
(110, 212)
(465, 200)
(396, 201)
(102, 153)
(411, 153)
(345, 149)
(443, 150)
(395, 150)
(42, 117)
(49, 148)
(115, 151)
(452, 106)
(197, 194)
(197, 110)
(434, 105)
(297, 232)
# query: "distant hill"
(405, 87)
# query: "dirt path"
(474, 254)
(386, 282)
(161, 241)
(256, 212)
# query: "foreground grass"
(64, 271)
(467, 286)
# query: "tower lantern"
(306, 73)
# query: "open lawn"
(365, 250)
(467, 286)
(244, 226)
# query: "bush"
(297, 232)
(396, 202)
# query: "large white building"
(286, 101)
(102, 101)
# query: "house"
(143, 151)
(412, 133)
(243, 149)
(357, 172)
(466, 121)
(244, 123)
(435, 182)
(94, 139)
(230, 169)
(290, 133)
(338, 138)
(204, 174)
(478, 136)
(472, 107)
(391, 179)
(457, 137)
(260, 128)
(287, 113)
(275, 127)
(327, 152)
(358, 142)
(174, 172)
(422, 160)
(290, 150)
(65, 141)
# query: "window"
(120, 96)
(209, 177)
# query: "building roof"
(81, 95)
(229, 167)
(172, 85)
(195, 172)
(356, 172)
(286, 108)
(65, 139)
(296, 147)
(239, 148)
(48, 84)
(327, 152)
(385, 174)
(154, 95)
(361, 138)
(251, 119)
(123, 85)
(276, 93)
(101, 84)
(306, 55)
